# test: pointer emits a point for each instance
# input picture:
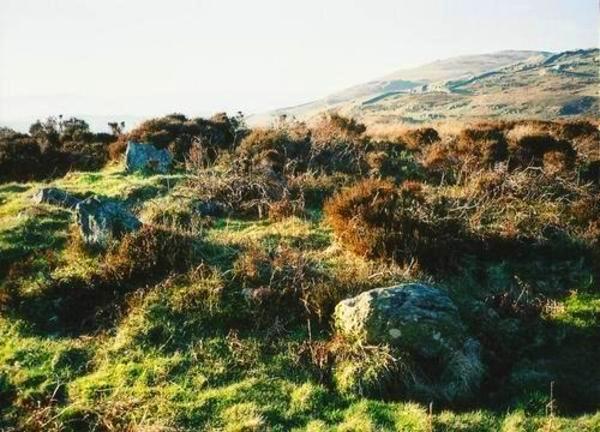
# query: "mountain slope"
(512, 84)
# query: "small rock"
(209, 208)
(102, 219)
(55, 196)
(146, 157)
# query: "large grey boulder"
(55, 196)
(421, 320)
(411, 315)
(102, 219)
(146, 157)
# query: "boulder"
(102, 219)
(146, 157)
(422, 321)
(410, 315)
(55, 196)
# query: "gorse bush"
(542, 151)
(236, 193)
(419, 138)
(148, 252)
(20, 157)
(286, 147)
(376, 218)
(181, 135)
(482, 147)
(339, 145)
(51, 149)
(277, 281)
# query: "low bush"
(391, 160)
(150, 251)
(339, 145)
(180, 135)
(238, 193)
(51, 149)
(473, 149)
(314, 189)
(20, 157)
(368, 371)
(418, 139)
(377, 219)
(541, 151)
(277, 281)
(286, 207)
(482, 146)
(285, 148)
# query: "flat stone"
(55, 196)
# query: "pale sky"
(152, 57)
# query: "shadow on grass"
(76, 305)
(35, 234)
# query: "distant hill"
(506, 84)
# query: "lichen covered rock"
(422, 322)
(102, 219)
(146, 157)
(413, 315)
(55, 196)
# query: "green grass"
(186, 353)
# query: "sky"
(153, 57)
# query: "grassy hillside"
(223, 322)
(505, 85)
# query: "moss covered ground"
(186, 352)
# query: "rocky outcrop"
(55, 196)
(102, 219)
(146, 157)
(422, 321)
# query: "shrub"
(274, 150)
(590, 172)
(420, 138)
(314, 189)
(441, 159)
(473, 149)
(180, 134)
(239, 193)
(556, 162)
(392, 160)
(51, 149)
(149, 251)
(335, 125)
(483, 146)
(363, 218)
(285, 208)
(376, 219)
(530, 150)
(20, 157)
(338, 145)
(307, 398)
(276, 281)
(46, 134)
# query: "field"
(217, 314)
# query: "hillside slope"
(508, 84)
(219, 296)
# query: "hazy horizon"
(197, 57)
